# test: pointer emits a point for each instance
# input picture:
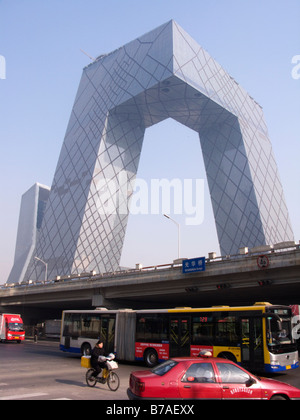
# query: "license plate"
(288, 367)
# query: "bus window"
(72, 325)
(202, 330)
(226, 331)
(91, 324)
(151, 328)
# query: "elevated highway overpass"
(272, 275)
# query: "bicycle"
(108, 376)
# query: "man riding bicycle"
(98, 360)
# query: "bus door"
(180, 336)
(108, 332)
(252, 342)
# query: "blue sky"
(254, 41)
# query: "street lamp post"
(178, 227)
(46, 267)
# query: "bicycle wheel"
(90, 379)
(113, 381)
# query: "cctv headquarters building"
(162, 74)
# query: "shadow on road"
(70, 382)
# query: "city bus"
(257, 337)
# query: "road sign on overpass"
(193, 265)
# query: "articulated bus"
(257, 337)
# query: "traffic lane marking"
(22, 396)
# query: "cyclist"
(98, 360)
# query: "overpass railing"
(281, 248)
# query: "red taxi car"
(205, 378)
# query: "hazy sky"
(41, 63)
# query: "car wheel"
(151, 358)
(278, 397)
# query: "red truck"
(11, 328)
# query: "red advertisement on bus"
(161, 349)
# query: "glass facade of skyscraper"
(163, 74)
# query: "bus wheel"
(228, 356)
(86, 349)
(151, 358)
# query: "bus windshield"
(279, 332)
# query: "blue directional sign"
(193, 265)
